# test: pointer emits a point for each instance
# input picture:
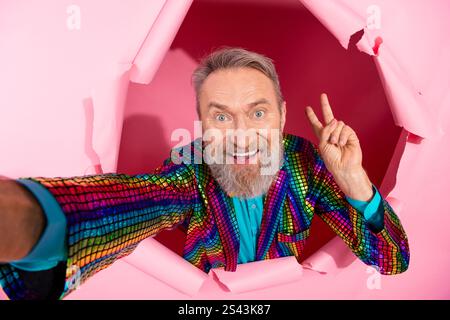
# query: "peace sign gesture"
(340, 150)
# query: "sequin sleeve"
(387, 249)
(107, 216)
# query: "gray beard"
(247, 180)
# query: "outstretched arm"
(107, 216)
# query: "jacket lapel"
(222, 209)
(273, 206)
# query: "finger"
(348, 135)
(326, 108)
(327, 130)
(313, 120)
(345, 134)
(334, 137)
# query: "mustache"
(263, 150)
(229, 146)
(249, 181)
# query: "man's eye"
(221, 117)
(259, 113)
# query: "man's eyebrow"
(217, 105)
(251, 104)
(259, 101)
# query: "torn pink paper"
(108, 97)
(68, 54)
(260, 274)
(402, 58)
(413, 64)
(329, 259)
(158, 41)
(154, 259)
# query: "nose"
(243, 136)
(240, 124)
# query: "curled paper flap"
(340, 19)
(400, 91)
(259, 274)
(329, 259)
(108, 96)
(392, 40)
(158, 40)
(153, 258)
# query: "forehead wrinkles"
(238, 86)
(237, 97)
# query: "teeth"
(246, 154)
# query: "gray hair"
(234, 57)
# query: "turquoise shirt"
(249, 213)
(51, 247)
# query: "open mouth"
(244, 157)
(245, 154)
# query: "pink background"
(107, 97)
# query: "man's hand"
(21, 221)
(341, 152)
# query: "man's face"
(239, 110)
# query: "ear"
(283, 115)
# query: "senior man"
(251, 197)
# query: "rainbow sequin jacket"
(109, 214)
